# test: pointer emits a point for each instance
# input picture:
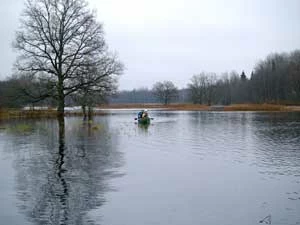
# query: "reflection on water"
(143, 128)
(63, 173)
(182, 168)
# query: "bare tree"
(294, 74)
(202, 88)
(165, 91)
(197, 88)
(60, 40)
(103, 79)
(211, 88)
(224, 89)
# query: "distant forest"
(276, 79)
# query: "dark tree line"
(17, 92)
(163, 92)
(276, 79)
(141, 95)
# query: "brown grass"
(254, 107)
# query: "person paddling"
(143, 117)
(140, 114)
(145, 113)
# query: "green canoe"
(145, 120)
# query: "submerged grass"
(21, 128)
(31, 114)
(16, 113)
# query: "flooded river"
(186, 168)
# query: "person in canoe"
(143, 117)
(140, 114)
(145, 113)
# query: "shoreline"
(100, 110)
(198, 107)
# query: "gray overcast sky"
(173, 39)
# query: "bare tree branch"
(62, 38)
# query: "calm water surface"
(185, 168)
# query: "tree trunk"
(61, 132)
(84, 112)
(166, 100)
(61, 99)
(90, 113)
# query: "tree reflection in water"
(59, 183)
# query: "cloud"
(174, 39)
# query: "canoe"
(145, 120)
